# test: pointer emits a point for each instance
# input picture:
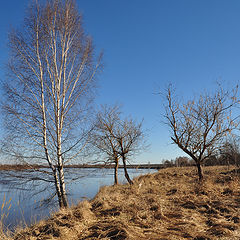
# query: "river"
(23, 207)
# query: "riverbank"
(169, 204)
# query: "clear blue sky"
(149, 43)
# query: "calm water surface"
(26, 207)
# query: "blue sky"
(148, 44)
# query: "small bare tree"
(130, 138)
(118, 138)
(50, 87)
(103, 136)
(199, 126)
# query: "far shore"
(21, 167)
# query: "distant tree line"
(228, 155)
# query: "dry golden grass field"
(167, 205)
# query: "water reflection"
(26, 206)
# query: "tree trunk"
(116, 171)
(62, 184)
(125, 171)
(200, 175)
(57, 186)
(55, 176)
(59, 127)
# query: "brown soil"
(170, 204)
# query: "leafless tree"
(198, 126)
(49, 89)
(103, 136)
(118, 138)
(130, 138)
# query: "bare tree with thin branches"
(199, 126)
(50, 86)
(118, 138)
(103, 136)
(130, 138)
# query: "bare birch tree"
(51, 82)
(198, 127)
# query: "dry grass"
(170, 204)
